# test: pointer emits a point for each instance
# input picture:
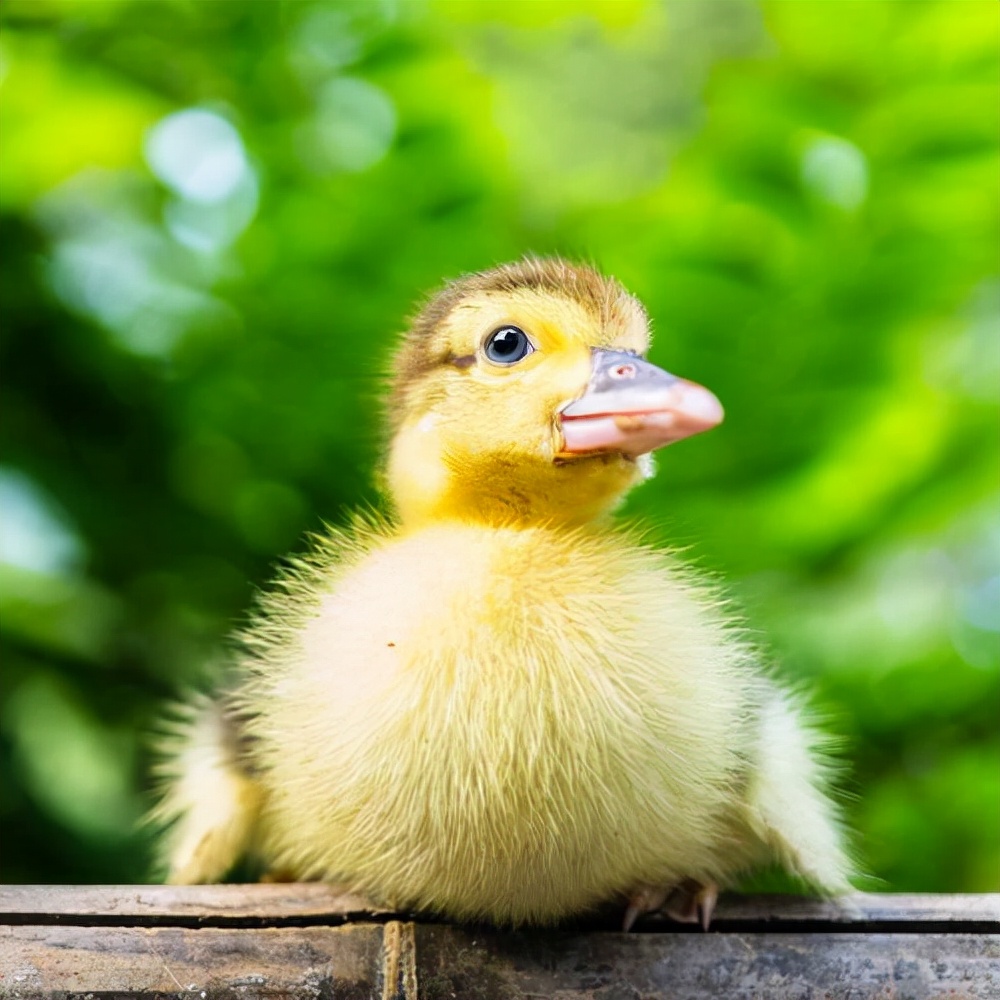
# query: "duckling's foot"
(690, 902)
(644, 900)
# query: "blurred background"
(217, 215)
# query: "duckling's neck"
(506, 490)
(500, 509)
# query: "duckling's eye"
(508, 345)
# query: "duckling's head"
(521, 395)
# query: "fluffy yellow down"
(497, 705)
(609, 763)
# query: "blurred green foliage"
(216, 216)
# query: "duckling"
(495, 703)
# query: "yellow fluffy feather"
(497, 704)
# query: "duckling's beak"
(631, 406)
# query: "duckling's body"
(478, 751)
(499, 706)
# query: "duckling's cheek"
(416, 473)
(569, 373)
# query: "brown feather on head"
(604, 299)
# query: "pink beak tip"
(700, 406)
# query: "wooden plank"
(212, 905)
(968, 911)
(205, 963)
(310, 940)
(452, 962)
(275, 904)
(401, 961)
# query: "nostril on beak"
(623, 371)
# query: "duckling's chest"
(514, 724)
(507, 648)
(447, 618)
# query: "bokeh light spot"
(34, 532)
(836, 171)
(353, 128)
(197, 154)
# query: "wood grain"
(159, 961)
(311, 941)
(216, 905)
(211, 905)
(353, 962)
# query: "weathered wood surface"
(214, 905)
(277, 941)
(314, 902)
(358, 961)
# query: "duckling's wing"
(788, 809)
(209, 803)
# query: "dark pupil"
(506, 342)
